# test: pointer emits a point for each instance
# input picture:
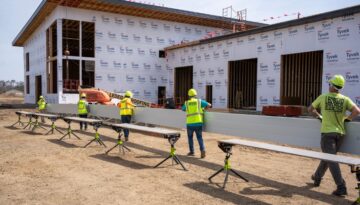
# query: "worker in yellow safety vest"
(126, 111)
(42, 106)
(194, 109)
(83, 110)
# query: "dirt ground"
(40, 169)
(10, 99)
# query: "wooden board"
(295, 151)
(45, 115)
(23, 113)
(156, 130)
(79, 119)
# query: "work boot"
(126, 139)
(191, 154)
(203, 154)
(316, 181)
(341, 190)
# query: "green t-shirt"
(333, 108)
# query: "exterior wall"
(339, 38)
(126, 56)
(36, 46)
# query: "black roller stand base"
(18, 121)
(36, 124)
(29, 123)
(120, 143)
(227, 168)
(69, 131)
(97, 136)
(53, 127)
(172, 140)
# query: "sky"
(15, 13)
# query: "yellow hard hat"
(83, 95)
(41, 97)
(128, 94)
(192, 92)
(338, 81)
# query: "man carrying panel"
(333, 107)
(194, 109)
(83, 110)
(41, 107)
(126, 111)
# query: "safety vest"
(194, 112)
(42, 104)
(82, 107)
(125, 108)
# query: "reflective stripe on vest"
(194, 112)
(125, 109)
(42, 104)
(82, 107)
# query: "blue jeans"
(198, 132)
(126, 119)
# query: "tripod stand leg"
(58, 130)
(68, 133)
(179, 162)
(163, 161)
(18, 122)
(50, 131)
(226, 178)
(237, 174)
(111, 148)
(75, 135)
(216, 173)
(89, 143)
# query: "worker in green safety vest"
(83, 110)
(126, 111)
(42, 106)
(333, 107)
(194, 109)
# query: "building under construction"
(159, 52)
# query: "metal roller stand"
(18, 121)
(53, 127)
(172, 140)
(227, 148)
(36, 124)
(30, 122)
(69, 131)
(97, 135)
(120, 143)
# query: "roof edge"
(33, 16)
(309, 19)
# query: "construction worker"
(83, 110)
(333, 107)
(126, 111)
(42, 106)
(194, 109)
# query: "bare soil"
(40, 169)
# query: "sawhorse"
(227, 148)
(97, 135)
(120, 143)
(172, 140)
